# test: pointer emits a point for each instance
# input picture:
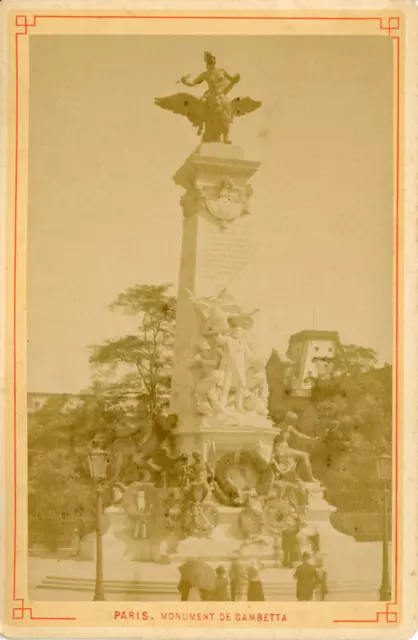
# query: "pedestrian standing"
(255, 586)
(322, 587)
(278, 550)
(221, 586)
(289, 542)
(235, 576)
(306, 579)
(315, 541)
(241, 583)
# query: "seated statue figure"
(285, 483)
(281, 444)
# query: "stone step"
(272, 590)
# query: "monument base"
(221, 547)
(125, 558)
(223, 437)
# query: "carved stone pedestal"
(219, 389)
(216, 248)
(113, 541)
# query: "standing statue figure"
(234, 362)
(201, 477)
(234, 369)
(199, 516)
(229, 374)
(214, 112)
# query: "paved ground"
(353, 576)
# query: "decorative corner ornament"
(225, 202)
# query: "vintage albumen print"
(206, 378)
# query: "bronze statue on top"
(214, 112)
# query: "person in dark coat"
(221, 586)
(255, 586)
(290, 543)
(306, 579)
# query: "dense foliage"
(351, 411)
(354, 418)
(140, 363)
(131, 385)
(278, 391)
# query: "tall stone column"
(216, 247)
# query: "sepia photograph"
(209, 343)
(210, 318)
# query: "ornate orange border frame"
(389, 24)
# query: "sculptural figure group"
(229, 375)
(179, 496)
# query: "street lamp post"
(384, 472)
(98, 464)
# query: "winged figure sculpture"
(213, 113)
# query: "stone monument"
(219, 386)
(219, 478)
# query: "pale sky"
(104, 213)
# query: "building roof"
(314, 334)
(58, 394)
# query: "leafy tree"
(355, 359)
(351, 410)
(275, 381)
(354, 411)
(141, 362)
(49, 427)
(279, 398)
(59, 494)
(57, 482)
(130, 389)
(66, 422)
